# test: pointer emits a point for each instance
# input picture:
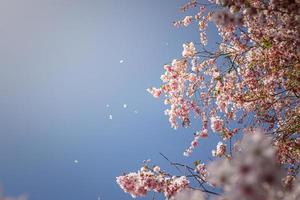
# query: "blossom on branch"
(140, 183)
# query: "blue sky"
(60, 67)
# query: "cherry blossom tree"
(249, 82)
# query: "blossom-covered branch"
(249, 84)
(260, 84)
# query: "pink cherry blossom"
(216, 124)
(250, 79)
(155, 92)
(189, 50)
(140, 183)
(220, 150)
(187, 20)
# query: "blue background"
(59, 67)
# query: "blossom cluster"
(252, 172)
(139, 183)
(220, 150)
(250, 80)
(258, 87)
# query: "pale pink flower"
(202, 170)
(220, 150)
(156, 169)
(155, 92)
(192, 77)
(216, 124)
(203, 38)
(203, 133)
(140, 183)
(220, 173)
(194, 143)
(202, 25)
(187, 20)
(251, 173)
(189, 50)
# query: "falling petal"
(125, 106)
(110, 117)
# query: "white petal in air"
(76, 161)
(121, 61)
(107, 105)
(125, 106)
(110, 117)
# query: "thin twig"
(190, 169)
